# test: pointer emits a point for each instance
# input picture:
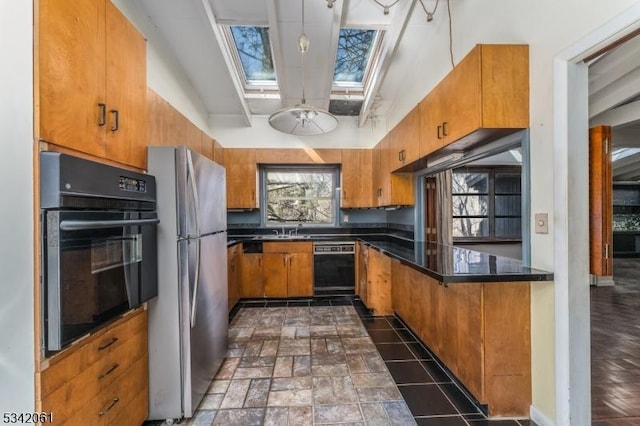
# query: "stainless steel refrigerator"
(188, 321)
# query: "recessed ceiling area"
(614, 100)
(197, 35)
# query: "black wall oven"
(99, 245)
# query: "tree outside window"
(300, 196)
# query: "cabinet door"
(431, 118)
(71, 74)
(385, 169)
(126, 90)
(469, 335)
(379, 283)
(233, 272)
(411, 136)
(356, 182)
(207, 146)
(377, 175)
(251, 275)
(462, 93)
(241, 178)
(399, 294)
(361, 289)
(218, 153)
(300, 275)
(274, 274)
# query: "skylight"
(620, 153)
(354, 56)
(253, 56)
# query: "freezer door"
(202, 194)
(206, 326)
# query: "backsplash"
(626, 222)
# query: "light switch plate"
(542, 223)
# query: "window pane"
(508, 205)
(252, 44)
(470, 205)
(470, 227)
(470, 183)
(507, 183)
(508, 227)
(300, 197)
(354, 51)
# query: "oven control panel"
(131, 184)
(334, 248)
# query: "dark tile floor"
(615, 347)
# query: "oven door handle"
(79, 225)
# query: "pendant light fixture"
(303, 119)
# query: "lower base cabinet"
(480, 331)
(103, 380)
(233, 270)
(287, 269)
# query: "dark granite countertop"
(451, 264)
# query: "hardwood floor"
(615, 347)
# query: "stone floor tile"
(269, 348)
(202, 418)
(334, 346)
(283, 366)
(333, 390)
(211, 401)
(228, 368)
(236, 393)
(276, 416)
(289, 398)
(330, 370)
(337, 413)
(399, 413)
(288, 332)
(258, 393)
(375, 414)
(302, 365)
(253, 348)
(356, 345)
(328, 359)
(257, 361)
(357, 364)
(386, 393)
(218, 386)
(291, 383)
(240, 417)
(372, 380)
(272, 332)
(323, 331)
(374, 362)
(300, 415)
(253, 372)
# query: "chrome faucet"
(276, 231)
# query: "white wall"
(16, 192)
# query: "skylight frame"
(252, 88)
(343, 90)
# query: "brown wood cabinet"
(298, 156)
(251, 284)
(600, 202)
(485, 95)
(287, 269)
(378, 295)
(392, 189)
(361, 271)
(101, 379)
(242, 174)
(218, 152)
(481, 331)
(91, 80)
(355, 182)
(234, 254)
(406, 144)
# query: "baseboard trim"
(539, 418)
(601, 281)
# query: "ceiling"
(193, 34)
(614, 100)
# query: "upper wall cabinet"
(242, 178)
(406, 143)
(485, 96)
(355, 182)
(91, 80)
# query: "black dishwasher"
(333, 268)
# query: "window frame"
(491, 208)
(250, 87)
(299, 168)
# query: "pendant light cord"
(304, 98)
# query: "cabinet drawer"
(287, 247)
(77, 359)
(113, 403)
(99, 376)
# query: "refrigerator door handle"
(194, 190)
(194, 299)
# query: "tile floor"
(615, 347)
(330, 362)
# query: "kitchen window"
(486, 204)
(299, 195)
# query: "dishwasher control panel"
(334, 248)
